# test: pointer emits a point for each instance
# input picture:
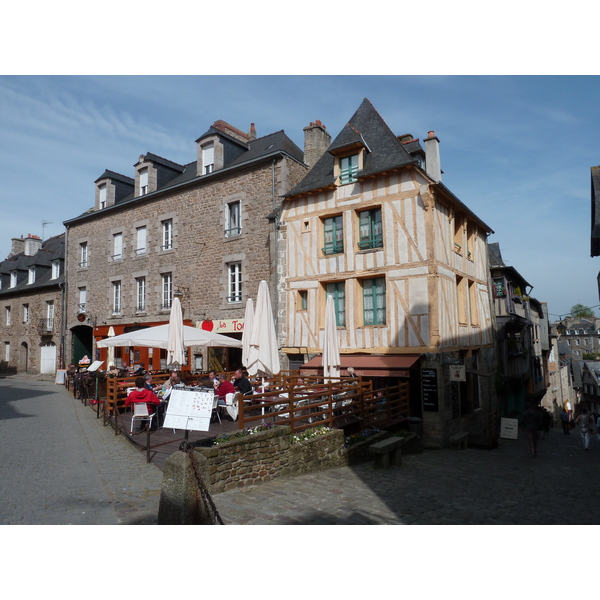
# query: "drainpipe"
(63, 318)
(276, 295)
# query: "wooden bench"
(459, 441)
(388, 451)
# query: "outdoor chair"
(231, 404)
(140, 413)
(215, 409)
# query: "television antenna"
(44, 223)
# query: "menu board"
(430, 389)
(189, 410)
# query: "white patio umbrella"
(110, 355)
(331, 349)
(263, 358)
(158, 337)
(248, 319)
(175, 347)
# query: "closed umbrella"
(110, 355)
(263, 357)
(248, 318)
(175, 347)
(331, 349)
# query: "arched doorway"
(48, 358)
(23, 357)
(81, 343)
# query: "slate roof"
(366, 127)
(117, 176)
(496, 262)
(52, 249)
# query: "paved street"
(59, 465)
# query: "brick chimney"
(28, 246)
(432, 157)
(316, 142)
(252, 134)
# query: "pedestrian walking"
(531, 423)
(584, 428)
(564, 419)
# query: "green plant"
(361, 436)
(225, 437)
(307, 434)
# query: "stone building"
(407, 264)
(31, 297)
(204, 231)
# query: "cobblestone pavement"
(59, 465)
(471, 487)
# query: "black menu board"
(430, 389)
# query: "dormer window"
(208, 158)
(102, 196)
(55, 269)
(13, 279)
(31, 275)
(143, 181)
(348, 169)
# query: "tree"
(579, 311)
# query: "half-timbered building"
(407, 265)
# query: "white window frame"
(140, 294)
(116, 301)
(167, 234)
(208, 158)
(141, 237)
(84, 255)
(233, 219)
(13, 279)
(102, 196)
(117, 246)
(234, 282)
(143, 181)
(31, 275)
(8, 316)
(166, 290)
(55, 269)
(82, 298)
(25, 313)
(50, 314)
(7, 351)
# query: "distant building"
(31, 300)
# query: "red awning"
(366, 365)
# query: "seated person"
(210, 381)
(242, 384)
(143, 394)
(225, 387)
(140, 370)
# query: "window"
(141, 241)
(348, 169)
(234, 292)
(303, 300)
(374, 301)
(167, 234)
(140, 294)
(208, 158)
(8, 316)
(102, 196)
(458, 234)
(83, 253)
(31, 275)
(143, 181)
(167, 290)
(233, 223)
(13, 279)
(82, 299)
(471, 237)
(334, 235)
(55, 269)
(463, 301)
(50, 315)
(25, 313)
(117, 246)
(116, 297)
(370, 231)
(7, 351)
(338, 291)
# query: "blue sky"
(517, 150)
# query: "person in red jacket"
(143, 394)
(225, 387)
